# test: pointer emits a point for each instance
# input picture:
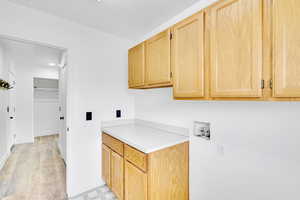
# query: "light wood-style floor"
(34, 172)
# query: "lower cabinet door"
(135, 183)
(106, 165)
(117, 175)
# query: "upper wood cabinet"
(232, 50)
(286, 48)
(188, 57)
(136, 66)
(158, 59)
(236, 48)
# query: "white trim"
(46, 134)
(60, 150)
(18, 141)
(4, 159)
(17, 39)
(46, 101)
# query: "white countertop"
(145, 138)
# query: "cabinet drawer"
(113, 143)
(136, 157)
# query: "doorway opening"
(33, 136)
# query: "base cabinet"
(134, 175)
(117, 175)
(106, 164)
(135, 183)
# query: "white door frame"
(63, 105)
(12, 112)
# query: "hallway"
(34, 172)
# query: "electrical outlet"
(89, 116)
(118, 114)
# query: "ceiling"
(125, 18)
(40, 55)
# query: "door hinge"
(171, 74)
(271, 84)
(262, 84)
(171, 36)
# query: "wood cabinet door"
(135, 183)
(158, 67)
(235, 28)
(286, 48)
(106, 165)
(188, 57)
(136, 66)
(117, 175)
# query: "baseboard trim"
(86, 192)
(46, 134)
(4, 159)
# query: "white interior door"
(12, 112)
(63, 111)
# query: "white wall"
(97, 82)
(254, 151)
(46, 112)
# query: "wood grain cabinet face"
(136, 66)
(168, 173)
(188, 57)
(158, 64)
(117, 175)
(158, 175)
(136, 157)
(286, 48)
(235, 28)
(106, 164)
(113, 143)
(135, 183)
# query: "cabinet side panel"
(168, 173)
